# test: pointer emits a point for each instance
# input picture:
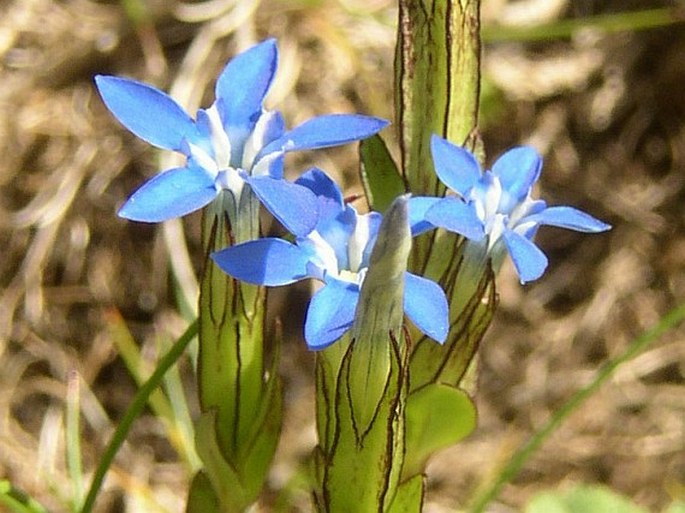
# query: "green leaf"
(437, 82)
(361, 470)
(582, 499)
(470, 289)
(409, 496)
(381, 178)
(238, 382)
(201, 496)
(437, 416)
(137, 404)
(224, 479)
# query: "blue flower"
(336, 253)
(230, 141)
(496, 208)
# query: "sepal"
(381, 179)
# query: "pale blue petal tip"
(269, 261)
(426, 306)
(418, 206)
(146, 111)
(518, 169)
(326, 131)
(456, 167)
(173, 193)
(456, 216)
(529, 260)
(293, 205)
(330, 314)
(244, 83)
(569, 218)
(322, 185)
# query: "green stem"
(139, 402)
(437, 82)
(668, 322)
(238, 383)
(437, 68)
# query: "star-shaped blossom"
(496, 207)
(232, 140)
(336, 253)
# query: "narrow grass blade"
(176, 422)
(130, 354)
(668, 322)
(137, 405)
(607, 23)
(17, 501)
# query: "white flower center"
(326, 258)
(221, 144)
(219, 160)
(490, 201)
(257, 139)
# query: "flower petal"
(337, 230)
(243, 84)
(269, 165)
(149, 113)
(418, 206)
(570, 218)
(456, 167)
(173, 193)
(329, 195)
(456, 216)
(322, 185)
(426, 305)
(529, 260)
(330, 313)
(325, 131)
(518, 169)
(363, 239)
(294, 206)
(267, 261)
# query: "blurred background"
(88, 301)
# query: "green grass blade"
(130, 354)
(17, 501)
(607, 23)
(668, 322)
(137, 405)
(183, 423)
(165, 407)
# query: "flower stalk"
(362, 386)
(437, 71)
(239, 388)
